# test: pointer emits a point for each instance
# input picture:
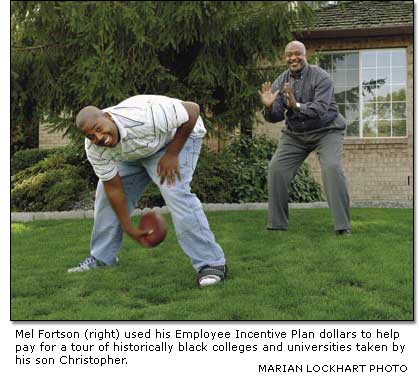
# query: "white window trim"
(361, 101)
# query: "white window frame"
(360, 97)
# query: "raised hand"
(266, 95)
(289, 97)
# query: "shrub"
(70, 154)
(212, 178)
(211, 182)
(250, 159)
(62, 178)
(304, 188)
(58, 179)
(151, 197)
(239, 175)
(55, 189)
(23, 159)
(76, 156)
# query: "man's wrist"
(129, 229)
(172, 150)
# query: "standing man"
(147, 138)
(303, 96)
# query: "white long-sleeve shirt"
(146, 123)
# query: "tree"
(69, 54)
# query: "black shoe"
(209, 275)
(343, 232)
(269, 228)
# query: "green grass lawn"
(306, 273)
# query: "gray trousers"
(292, 150)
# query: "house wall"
(375, 168)
(49, 139)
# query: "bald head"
(98, 126)
(88, 114)
(295, 56)
(295, 44)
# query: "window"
(320, 4)
(370, 90)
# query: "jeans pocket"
(185, 157)
(196, 150)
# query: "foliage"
(25, 158)
(24, 97)
(68, 54)
(212, 180)
(250, 158)
(55, 182)
(239, 175)
(236, 175)
(53, 190)
(23, 136)
(151, 197)
(303, 188)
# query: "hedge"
(58, 179)
(50, 180)
(23, 159)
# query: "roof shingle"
(350, 15)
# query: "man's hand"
(289, 97)
(168, 166)
(266, 95)
(168, 169)
(116, 196)
(136, 233)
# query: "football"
(153, 221)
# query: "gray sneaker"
(89, 263)
(211, 275)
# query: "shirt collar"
(121, 129)
(300, 74)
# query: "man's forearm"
(183, 132)
(275, 113)
(116, 196)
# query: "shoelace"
(89, 260)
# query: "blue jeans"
(191, 225)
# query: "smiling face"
(101, 130)
(295, 56)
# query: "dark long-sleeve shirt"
(314, 91)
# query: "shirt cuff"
(266, 114)
(303, 108)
